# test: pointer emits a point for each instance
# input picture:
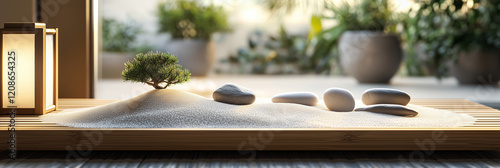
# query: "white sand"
(178, 109)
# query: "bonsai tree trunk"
(156, 85)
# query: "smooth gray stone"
(385, 96)
(304, 98)
(233, 94)
(338, 99)
(392, 109)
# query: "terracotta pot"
(113, 63)
(196, 55)
(370, 57)
(477, 67)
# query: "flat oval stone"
(338, 99)
(304, 98)
(233, 94)
(392, 109)
(385, 96)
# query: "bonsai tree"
(157, 69)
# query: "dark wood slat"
(146, 159)
(116, 159)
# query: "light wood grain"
(484, 134)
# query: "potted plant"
(191, 25)
(462, 39)
(366, 48)
(117, 46)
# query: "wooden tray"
(32, 134)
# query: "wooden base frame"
(32, 134)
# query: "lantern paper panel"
(18, 80)
(49, 73)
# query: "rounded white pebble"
(338, 99)
(304, 98)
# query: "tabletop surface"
(33, 134)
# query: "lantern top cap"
(51, 30)
(24, 25)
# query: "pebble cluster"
(379, 100)
(387, 101)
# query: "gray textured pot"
(477, 67)
(113, 64)
(426, 60)
(196, 55)
(370, 57)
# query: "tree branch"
(166, 85)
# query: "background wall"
(17, 11)
(72, 17)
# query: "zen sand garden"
(168, 108)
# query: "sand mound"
(178, 109)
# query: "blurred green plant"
(372, 15)
(117, 36)
(120, 37)
(283, 7)
(156, 69)
(447, 27)
(189, 19)
(279, 54)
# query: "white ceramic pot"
(196, 55)
(370, 57)
(477, 67)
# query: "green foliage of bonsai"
(157, 69)
(189, 19)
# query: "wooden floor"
(145, 159)
(483, 135)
